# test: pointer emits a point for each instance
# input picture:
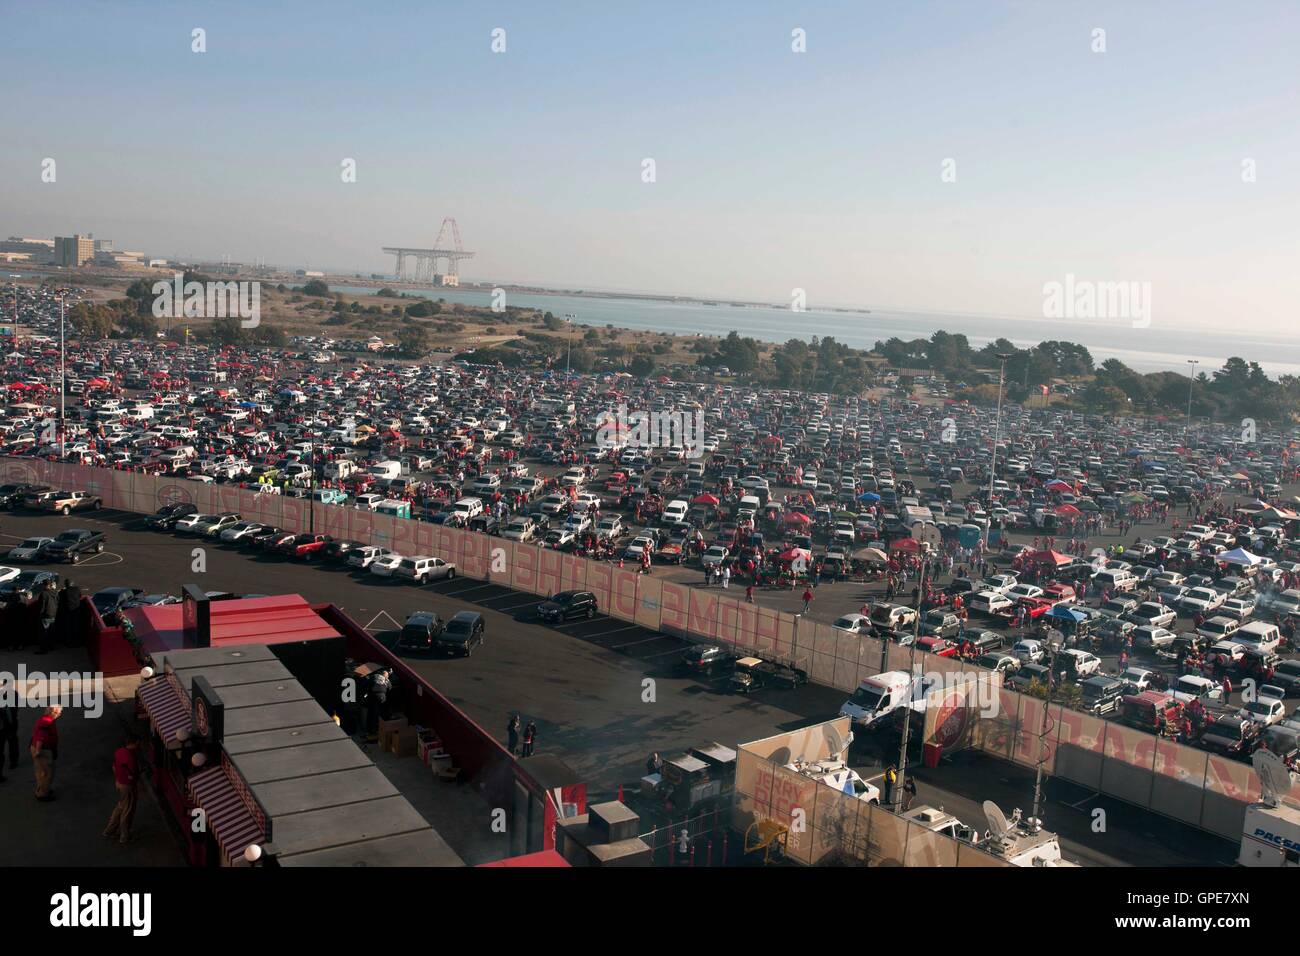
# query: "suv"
(706, 660)
(463, 633)
(166, 517)
(420, 632)
(1101, 694)
(423, 569)
(567, 605)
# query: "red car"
(937, 645)
(1036, 607)
(305, 546)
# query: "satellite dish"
(1274, 776)
(998, 826)
(834, 742)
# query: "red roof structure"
(279, 619)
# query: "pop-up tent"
(1238, 556)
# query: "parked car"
(462, 634)
(422, 569)
(567, 606)
(420, 632)
(752, 673)
(29, 549)
(73, 545)
(706, 660)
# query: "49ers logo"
(174, 495)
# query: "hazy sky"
(775, 170)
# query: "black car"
(1286, 674)
(485, 524)
(27, 585)
(337, 550)
(110, 601)
(463, 633)
(11, 496)
(568, 605)
(707, 660)
(420, 631)
(1231, 736)
(269, 540)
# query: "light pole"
(997, 436)
(63, 378)
(569, 317)
(911, 669)
(1191, 380)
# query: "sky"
(774, 170)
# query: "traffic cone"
(620, 793)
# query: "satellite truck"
(1021, 842)
(1270, 834)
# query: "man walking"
(126, 770)
(47, 611)
(909, 792)
(807, 599)
(530, 738)
(44, 751)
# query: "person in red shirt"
(807, 599)
(44, 751)
(126, 770)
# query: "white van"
(385, 469)
(1115, 579)
(675, 511)
(747, 508)
(468, 508)
(877, 697)
(140, 413)
(340, 468)
(1259, 635)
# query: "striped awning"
(228, 816)
(167, 705)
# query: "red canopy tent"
(1068, 511)
(1054, 558)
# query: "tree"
(414, 340)
(642, 366)
(422, 310)
(552, 323)
(138, 325)
(316, 287)
(225, 331)
(91, 322)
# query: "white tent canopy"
(1238, 556)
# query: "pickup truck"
(74, 544)
(66, 502)
(305, 546)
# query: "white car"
(989, 603)
(1001, 583)
(1266, 710)
(1085, 664)
(609, 527)
(1137, 678)
(1027, 652)
(715, 556)
(636, 546)
(365, 556)
(384, 565)
(1204, 600)
(1017, 591)
(187, 524)
(8, 574)
(240, 531)
(520, 528)
(853, 624)
(29, 549)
